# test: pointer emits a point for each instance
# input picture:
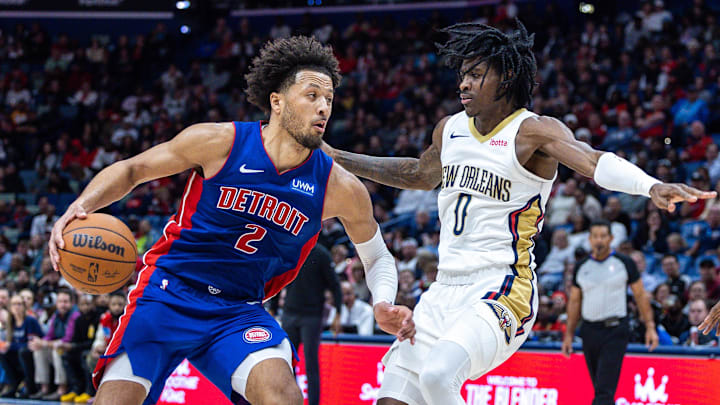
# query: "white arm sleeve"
(380, 270)
(617, 174)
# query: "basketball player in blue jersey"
(249, 216)
(495, 162)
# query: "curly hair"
(510, 55)
(275, 68)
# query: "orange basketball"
(99, 255)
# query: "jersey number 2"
(461, 213)
(257, 233)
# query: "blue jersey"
(244, 233)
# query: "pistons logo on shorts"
(257, 334)
(504, 319)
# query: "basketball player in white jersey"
(496, 163)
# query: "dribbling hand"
(395, 320)
(56, 240)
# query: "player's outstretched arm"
(347, 199)
(550, 136)
(202, 146)
(410, 173)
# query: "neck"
(488, 119)
(282, 148)
(601, 254)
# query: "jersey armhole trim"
(227, 159)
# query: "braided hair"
(508, 54)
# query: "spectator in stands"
(697, 143)
(339, 255)
(83, 334)
(356, 316)
(359, 283)
(673, 319)
(690, 109)
(696, 291)
(15, 357)
(42, 222)
(48, 350)
(692, 337)
(107, 326)
(712, 159)
(652, 234)
(547, 325)
(409, 255)
(650, 281)
(708, 241)
(552, 269)
(562, 205)
(677, 282)
(587, 204)
(5, 257)
(622, 136)
(709, 276)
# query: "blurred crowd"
(643, 83)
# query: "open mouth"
(465, 99)
(320, 125)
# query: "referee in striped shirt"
(599, 294)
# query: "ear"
(276, 102)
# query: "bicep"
(198, 146)
(348, 200)
(557, 141)
(430, 164)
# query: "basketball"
(99, 255)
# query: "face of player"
(477, 95)
(600, 239)
(63, 303)
(305, 108)
(117, 304)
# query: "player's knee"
(434, 378)
(288, 394)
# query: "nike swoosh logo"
(453, 136)
(249, 171)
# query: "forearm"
(646, 312)
(395, 172)
(111, 184)
(573, 313)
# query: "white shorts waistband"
(471, 277)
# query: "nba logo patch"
(504, 320)
(257, 334)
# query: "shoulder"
(541, 124)
(346, 185)
(210, 133)
(627, 261)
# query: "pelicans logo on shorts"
(257, 334)
(504, 318)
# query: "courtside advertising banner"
(352, 374)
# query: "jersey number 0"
(461, 213)
(257, 233)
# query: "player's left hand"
(651, 339)
(395, 320)
(711, 321)
(665, 195)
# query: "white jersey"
(490, 206)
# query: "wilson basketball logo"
(257, 335)
(97, 242)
